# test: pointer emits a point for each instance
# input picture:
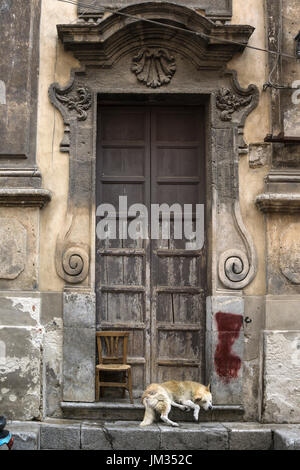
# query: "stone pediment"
(105, 42)
(213, 8)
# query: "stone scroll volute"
(72, 258)
(237, 258)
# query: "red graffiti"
(227, 363)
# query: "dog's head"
(203, 398)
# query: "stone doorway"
(154, 288)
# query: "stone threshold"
(62, 434)
(124, 410)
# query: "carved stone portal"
(105, 51)
(155, 65)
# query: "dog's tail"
(149, 415)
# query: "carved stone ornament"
(80, 103)
(72, 263)
(236, 267)
(228, 103)
(154, 67)
(103, 50)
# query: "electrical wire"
(269, 83)
(177, 28)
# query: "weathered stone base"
(26, 435)
(121, 435)
(287, 439)
(125, 411)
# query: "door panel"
(153, 288)
(178, 280)
(122, 282)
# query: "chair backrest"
(110, 349)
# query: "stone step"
(287, 439)
(26, 435)
(128, 435)
(123, 410)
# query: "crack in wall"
(108, 437)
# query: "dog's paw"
(184, 408)
(196, 415)
(175, 425)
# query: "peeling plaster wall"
(252, 184)
(281, 377)
(256, 128)
(280, 358)
(21, 333)
(55, 66)
(290, 69)
(30, 354)
(31, 322)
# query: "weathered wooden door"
(153, 287)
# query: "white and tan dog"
(183, 395)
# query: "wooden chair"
(112, 361)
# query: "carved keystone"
(154, 67)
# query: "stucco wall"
(55, 66)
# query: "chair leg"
(124, 390)
(97, 385)
(130, 385)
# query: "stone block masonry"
(128, 435)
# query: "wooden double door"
(154, 288)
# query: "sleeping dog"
(183, 395)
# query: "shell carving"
(154, 67)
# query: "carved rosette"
(154, 67)
(228, 102)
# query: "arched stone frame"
(108, 52)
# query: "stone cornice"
(24, 197)
(217, 9)
(274, 202)
(105, 42)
